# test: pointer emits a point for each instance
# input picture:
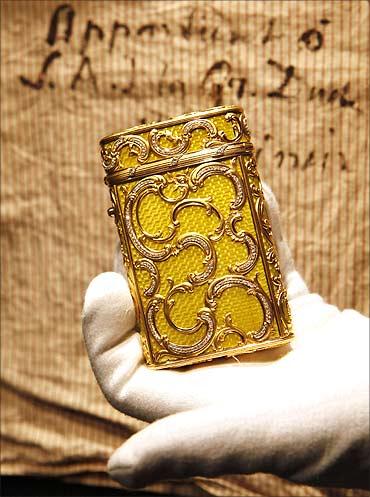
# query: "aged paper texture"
(74, 72)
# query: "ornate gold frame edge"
(258, 227)
(143, 128)
(137, 301)
(246, 349)
(225, 151)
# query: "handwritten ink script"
(296, 160)
(220, 75)
(221, 80)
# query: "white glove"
(300, 411)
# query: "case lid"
(181, 141)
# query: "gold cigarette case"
(196, 238)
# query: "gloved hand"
(300, 411)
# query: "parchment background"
(299, 69)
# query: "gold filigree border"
(245, 349)
(184, 118)
(141, 327)
(258, 222)
(227, 150)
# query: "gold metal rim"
(246, 349)
(143, 128)
(225, 151)
(257, 223)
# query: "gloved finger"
(285, 256)
(108, 324)
(309, 310)
(118, 266)
(296, 286)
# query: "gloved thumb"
(200, 442)
(234, 439)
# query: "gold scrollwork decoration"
(156, 185)
(201, 173)
(152, 184)
(272, 259)
(219, 285)
(283, 306)
(204, 317)
(245, 127)
(210, 259)
(137, 145)
(152, 269)
(181, 142)
(227, 330)
(180, 180)
(123, 247)
(282, 298)
(243, 237)
(236, 124)
(181, 187)
(251, 167)
(169, 302)
(210, 209)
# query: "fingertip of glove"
(105, 283)
(269, 195)
(124, 471)
(123, 477)
(107, 288)
(296, 285)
